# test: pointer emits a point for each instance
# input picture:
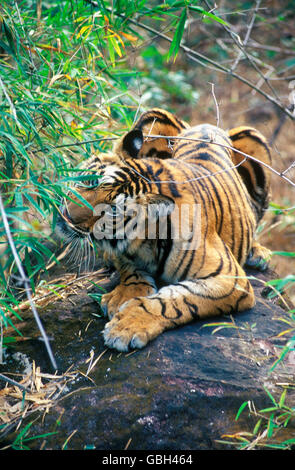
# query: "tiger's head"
(100, 208)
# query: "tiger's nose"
(77, 215)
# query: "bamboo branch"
(26, 282)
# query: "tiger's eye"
(93, 183)
(88, 184)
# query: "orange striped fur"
(163, 285)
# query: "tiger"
(166, 281)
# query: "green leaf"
(16, 209)
(174, 48)
(282, 398)
(96, 297)
(207, 13)
(257, 426)
(242, 407)
(284, 253)
(9, 36)
(111, 52)
(270, 396)
(35, 205)
(267, 410)
(271, 426)
(81, 198)
(16, 144)
(80, 178)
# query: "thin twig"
(247, 36)
(13, 382)
(281, 174)
(289, 168)
(241, 46)
(26, 282)
(246, 155)
(216, 104)
(200, 58)
(100, 139)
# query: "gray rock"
(181, 392)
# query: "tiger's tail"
(255, 175)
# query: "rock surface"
(181, 392)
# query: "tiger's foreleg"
(143, 318)
(132, 284)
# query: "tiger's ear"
(132, 143)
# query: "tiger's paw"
(258, 258)
(132, 327)
(110, 303)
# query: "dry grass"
(37, 391)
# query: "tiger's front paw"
(110, 303)
(258, 257)
(132, 327)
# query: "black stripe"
(163, 154)
(179, 122)
(193, 309)
(256, 166)
(215, 273)
(171, 185)
(134, 179)
(143, 283)
(182, 145)
(130, 276)
(243, 216)
(204, 185)
(151, 152)
(158, 172)
(195, 188)
(186, 287)
(249, 133)
(159, 117)
(224, 186)
(188, 266)
(165, 246)
(259, 173)
(145, 185)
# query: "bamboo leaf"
(81, 198)
(282, 398)
(270, 396)
(271, 426)
(242, 407)
(257, 426)
(174, 48)
(35, 205)
(208, 14)
(284, 253)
